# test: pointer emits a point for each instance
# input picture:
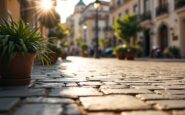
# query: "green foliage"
(120, 48)
(19, 39)
(84, 47)
(78, 41)
(132, 49)
(126, 28)
(104, 42)
(172, 52)
(60, 32)
(55, 50)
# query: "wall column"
(3, 9)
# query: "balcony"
(145, 16)
(162, 9)
(179, 4)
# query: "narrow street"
(99, 87)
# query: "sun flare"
(46, 4)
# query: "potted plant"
(64, 55)
(84, 50)
(54, 54)
(120, 52)
(19, 46)
(126, 30)
(172, 52)
(131, 53)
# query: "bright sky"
(66, 7)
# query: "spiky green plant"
(20, 39)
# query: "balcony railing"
(162, 9)
(179, 4)
(146, 16)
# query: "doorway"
(163, 37)
(182, 37)
(147, 42)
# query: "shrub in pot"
(64, 55)
(53, 54)
(19, 44)
(84, 50)
(131, 52)
(120, 52)
(172, 52)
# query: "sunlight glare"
(46, 4)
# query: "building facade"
(80, 6)
(119, 9)
(10, 8)
(87, 22)
(164, 23)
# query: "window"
(146, 5)
(135, 8)
(126, 11)
(162, 2)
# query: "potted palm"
(20, 44)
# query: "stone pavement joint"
(86, 86)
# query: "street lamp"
(96, 53)
(85, 29)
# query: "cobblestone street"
(99, 87)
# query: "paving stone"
(113, 102)
(172, 92)
(110, 83)
(151, 97)
(168, 104)
(147, 87)
(136, 84)
(145, 113)
(49, 85)
(102, 113)
(6, 104)
(49, 100)
(125, 91)
(39, 109)
(71, 84)
(159, 97)
(113, 87)
(21, 92)
(178, 87)
(123, 81)
(38, 76)
(90, 84)
(178, 112)
(63, 80)
(93, 86)
(72, 109)
(74, 92)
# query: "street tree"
(127, 28)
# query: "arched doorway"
(147, 40)
(163, 37)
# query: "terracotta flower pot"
(18, 72)
(84, 54)
(130, 55)
(120, 55)
(64, 56)
(53, 58)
